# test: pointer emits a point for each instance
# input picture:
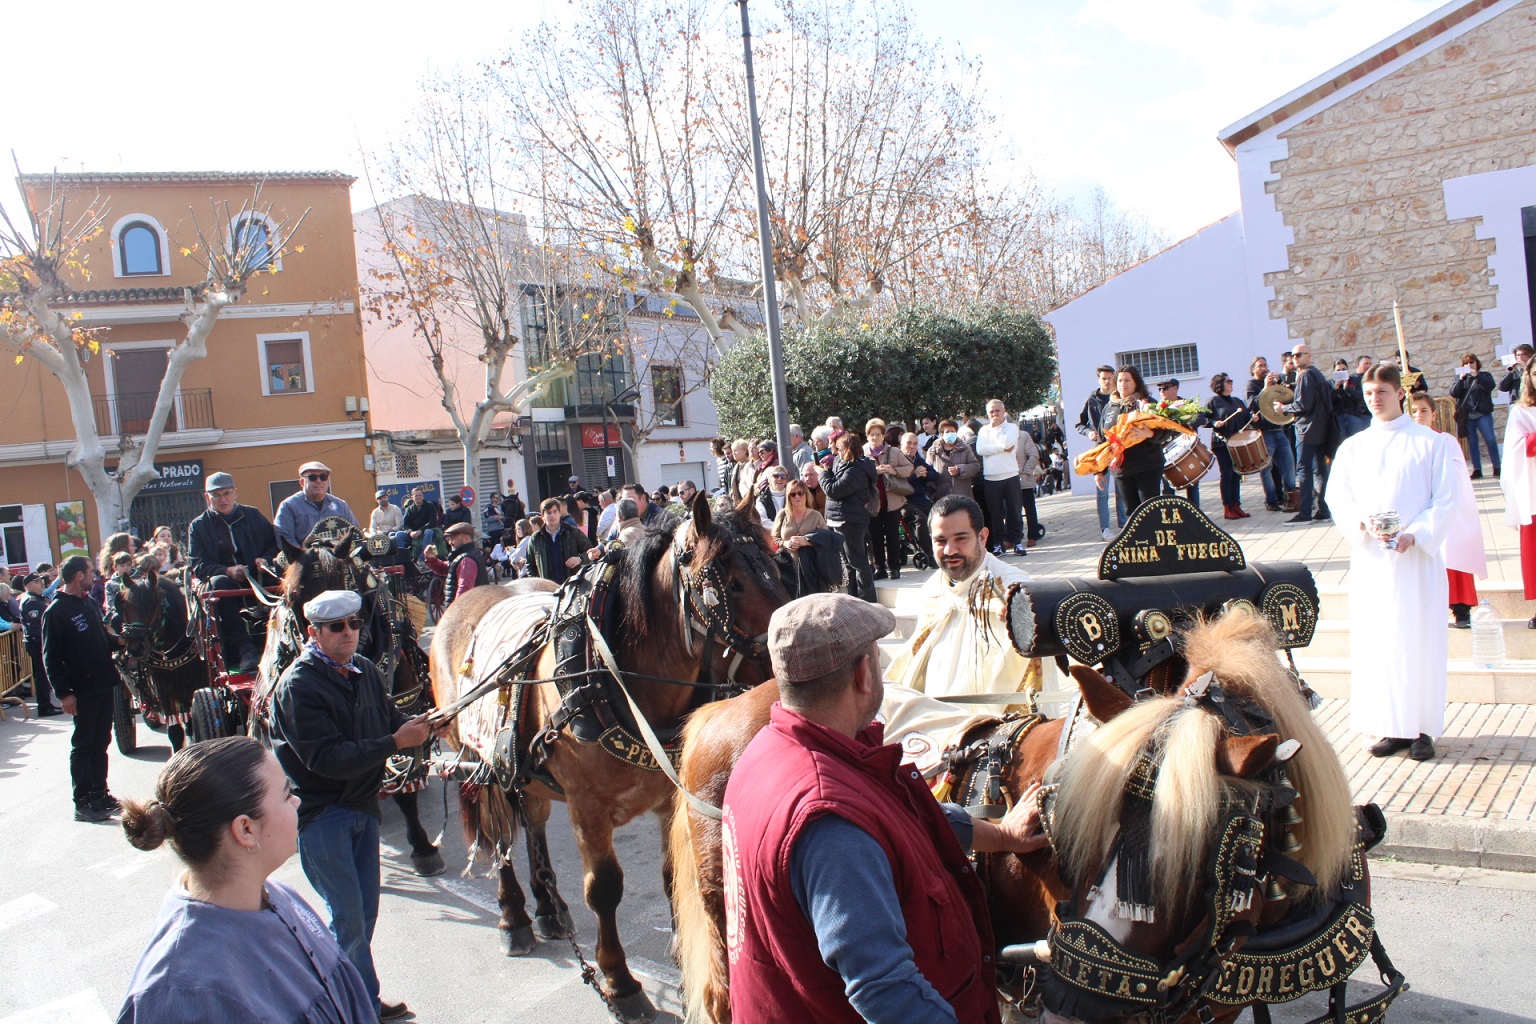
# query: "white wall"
(1497, 197)
(1191, 293)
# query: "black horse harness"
(1091, 976)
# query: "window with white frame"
(139, 247)
(667, 394)
(285, 364)
(1154, 363)
(256, 233)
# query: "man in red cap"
(847, 889)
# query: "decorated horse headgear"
(1092, 976)
(705, 609)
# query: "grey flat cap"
(333, 605)
(218, 482)
(814, 635)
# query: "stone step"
(1515, 683)
(1332, 640)
(1508, 600)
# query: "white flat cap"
(333, 605)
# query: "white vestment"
(1397, 601)
(1464, 549)
(1518, 480)
(961, 644)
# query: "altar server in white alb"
(1397, 594)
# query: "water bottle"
(1487, 637)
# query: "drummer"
(1170, 393)
(1279, 480)
(1228, 416)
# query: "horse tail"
(698, 944)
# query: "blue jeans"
(1351, 424)
(1313, 467)
(339, 851)
(1482, 426)
(402, 539)
(1283, 458)
(1101, 500)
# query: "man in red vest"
(848, 893)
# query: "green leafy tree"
(894, 367)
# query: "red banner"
(592, 435)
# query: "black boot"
(1463, 616)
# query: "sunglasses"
(343, 625)
(312, 477)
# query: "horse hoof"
(517, 941)
(634, 1008)
(428, 864)
(555, 926)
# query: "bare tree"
(43, 262)
(459, 268)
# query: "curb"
(1494, 844)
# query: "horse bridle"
(705, 610)
(148, 633)
(1092, 976)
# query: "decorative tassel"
(1133, 882)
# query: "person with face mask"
(953, 463)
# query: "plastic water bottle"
(1487, 637)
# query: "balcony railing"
(129, 413)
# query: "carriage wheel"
(125, 720)
(206, 719)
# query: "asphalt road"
(80, 903)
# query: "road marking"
(80, 1008)
(24, 908)
(469, 894)
(123, 865)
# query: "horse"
(1020, 888)
(334, 559)
(1211, 863)
(158, 649)
(688, 604)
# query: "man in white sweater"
(996, 444)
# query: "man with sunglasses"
(299, 512)
(333, 728)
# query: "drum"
(1186, 460)
(1249, 452)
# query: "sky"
(1121, 94)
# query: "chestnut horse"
(1189, 822)
(688, 600)
(1021, 889)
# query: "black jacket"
(549, 557)
(1313, 407)
(1348, 398)
(32, 608)
(1091, 420)
(1510, 384)
(422, 517)
(1474, 393)
(1223, 406)
(77, 652)
(333, 735)
(849, 487)
(453, 516)
(215, 542)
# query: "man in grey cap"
(333, 728)
(844, 878)
(228, 546)
(299, 512)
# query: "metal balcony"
(129, 413)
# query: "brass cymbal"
(1267, 399)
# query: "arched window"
(141, 247)
(253, 233)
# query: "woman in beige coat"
(894, 469)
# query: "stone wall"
(1362, 191)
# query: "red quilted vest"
(791, 772)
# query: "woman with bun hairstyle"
(231, 944)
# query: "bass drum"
(1186, 460)
(1249, 452)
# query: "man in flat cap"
(228, 546)
(299, 512)
(846, 884)
(333, 728)
(467, 566)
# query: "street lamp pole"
(765, 237)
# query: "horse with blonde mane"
(1200, 824)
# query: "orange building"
(284, 380)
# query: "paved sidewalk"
(1475, 804)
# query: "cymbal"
(1267, 399)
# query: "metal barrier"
(15, 671)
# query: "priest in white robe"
(1397, 595)
(961, 644)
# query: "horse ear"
(701, 519)
(1105, 700)
(1246, 756)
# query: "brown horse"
(1020, 889)
(1186, 823)
(690, 601)
(150, 616)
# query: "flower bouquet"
(1184, 411)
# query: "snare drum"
(1186, 460)
(1249, 452)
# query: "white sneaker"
(1109, 534)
